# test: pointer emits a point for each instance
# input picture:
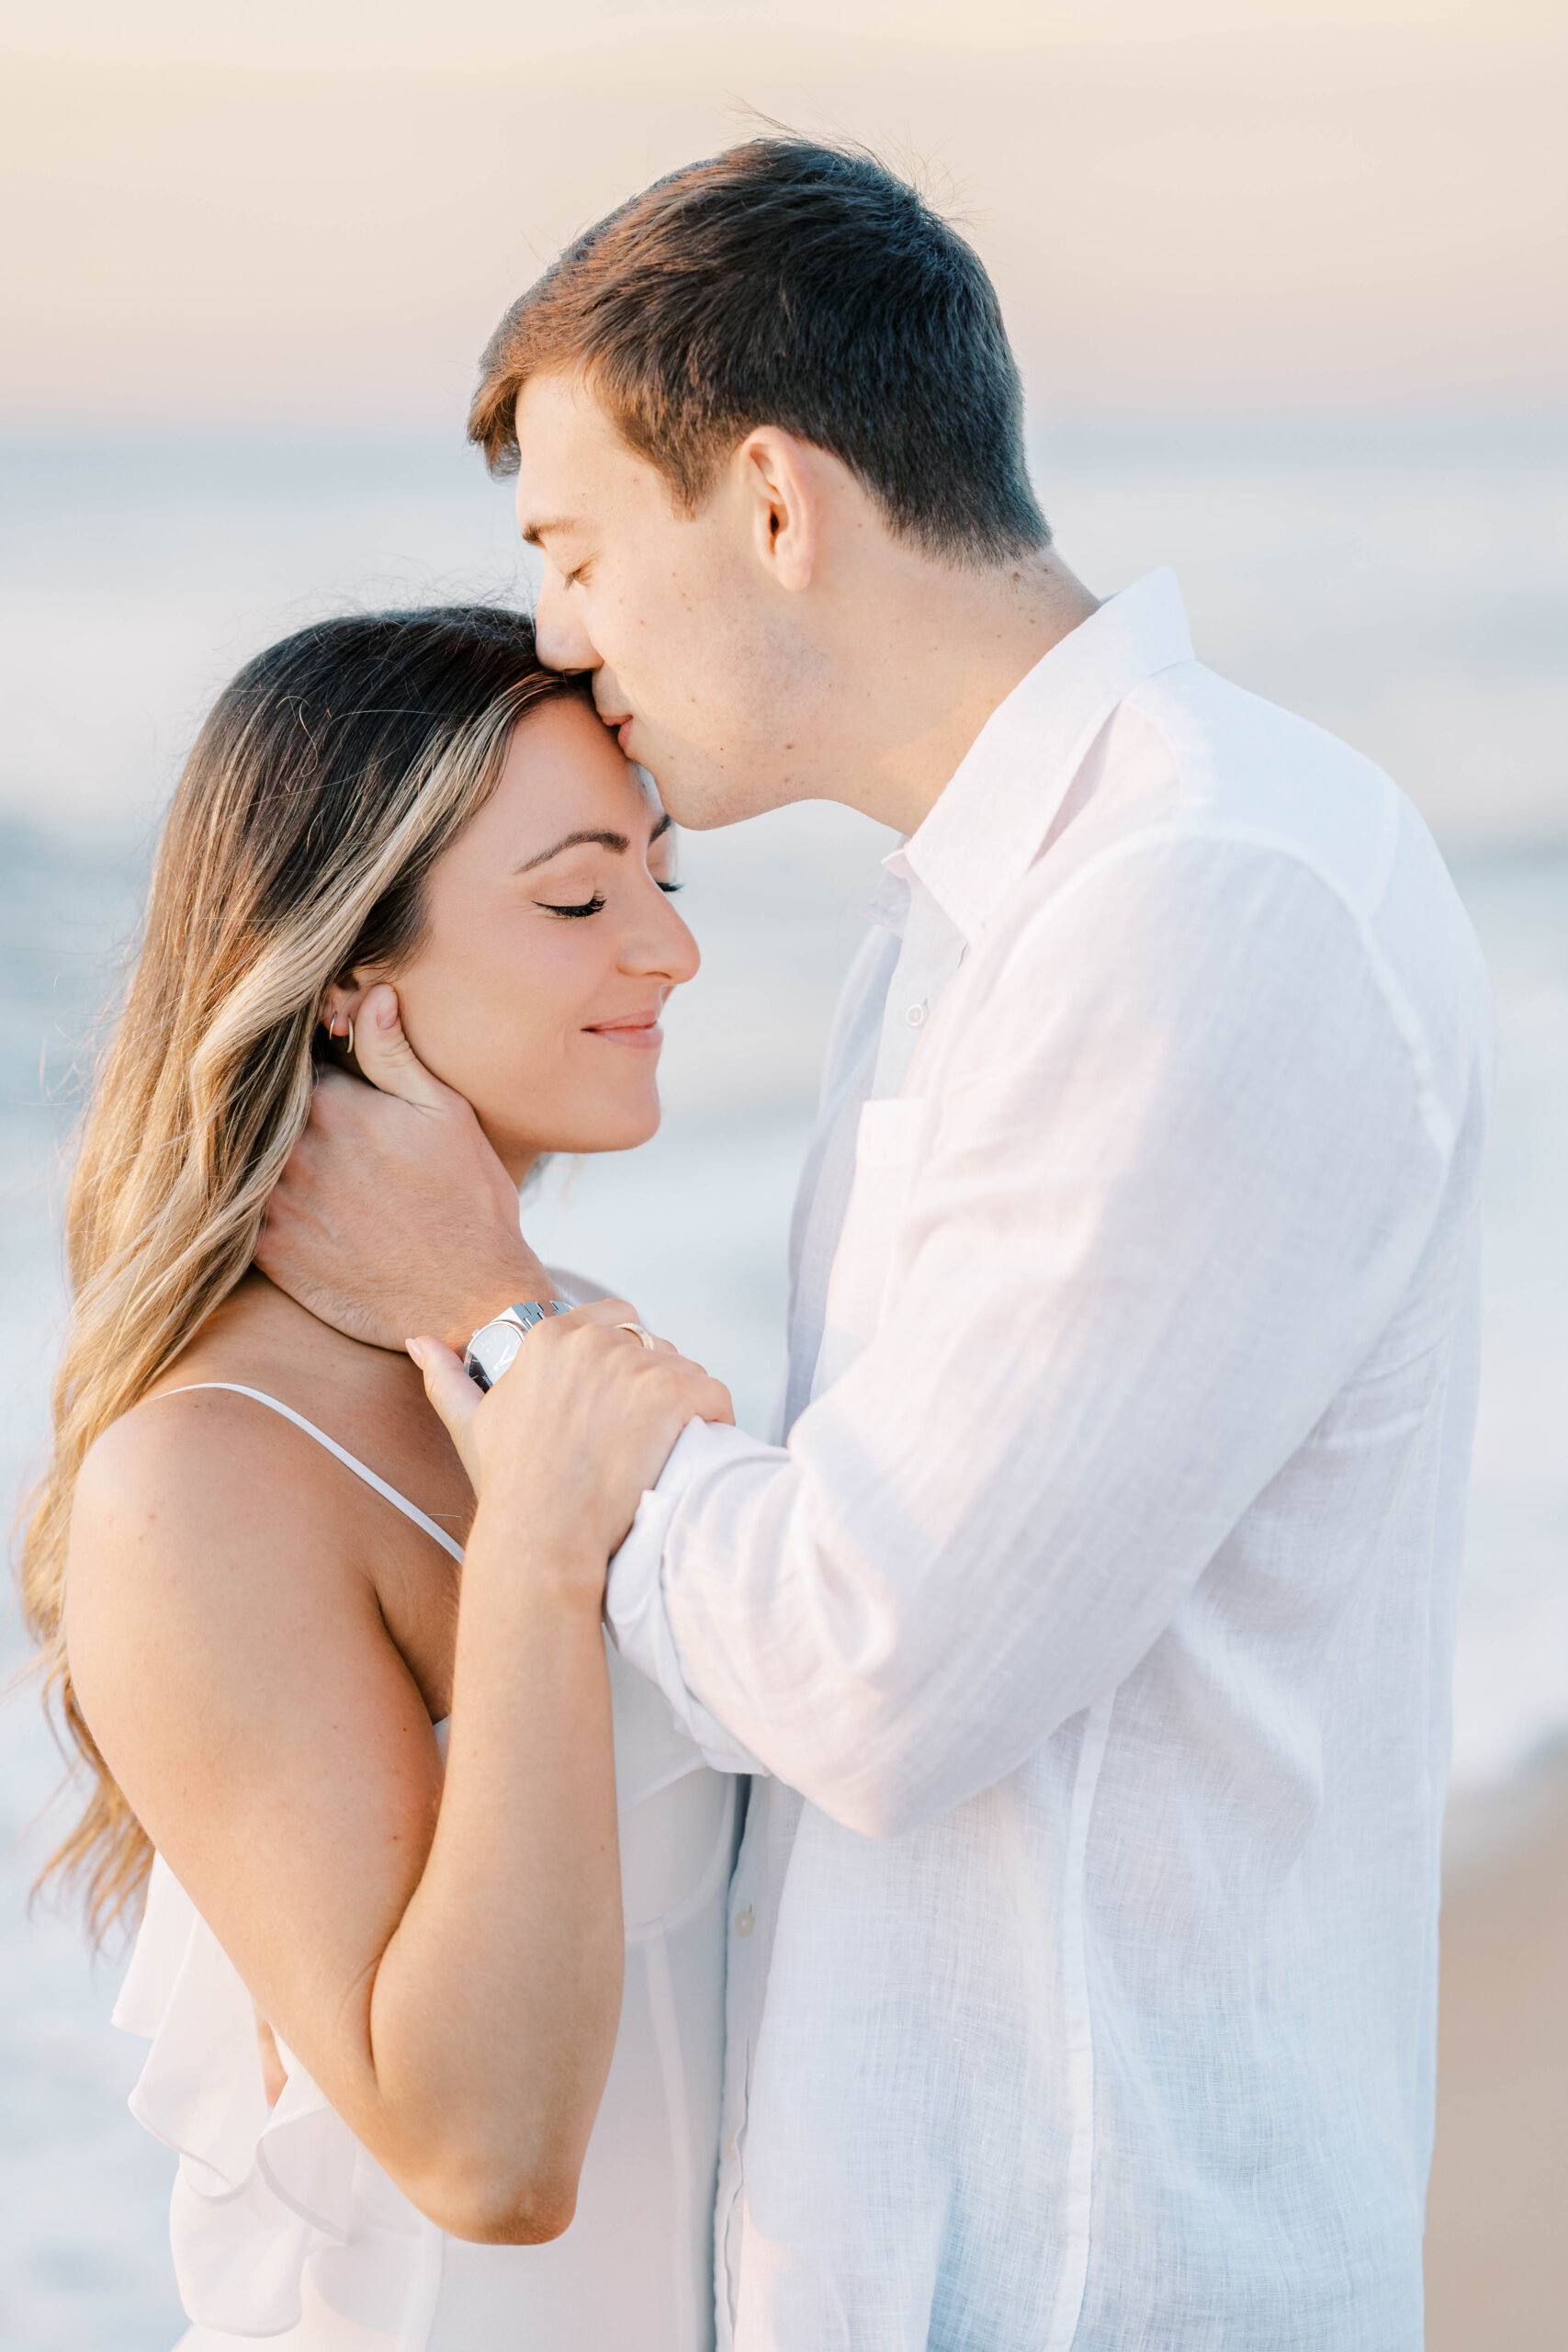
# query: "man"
(1093, 1625)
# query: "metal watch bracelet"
(494, 1345)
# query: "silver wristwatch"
(494, 1345)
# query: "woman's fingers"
(579, 1425)
(454, 1397)
(621, 1316)
(610, 1311)
(715, 1405)
(705, 1399)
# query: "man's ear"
(781, 483)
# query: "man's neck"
(953, 646)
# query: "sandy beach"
(1497, 2216)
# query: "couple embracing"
(964, 1873)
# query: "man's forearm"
(635, 1609)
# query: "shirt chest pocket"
(888, 1146)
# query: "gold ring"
(638, 1332)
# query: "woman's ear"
(339, 1012)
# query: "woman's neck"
(370, 1399)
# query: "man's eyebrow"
(534, 534)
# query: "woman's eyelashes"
(596, 904)
(589, 906)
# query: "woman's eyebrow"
(617, 843)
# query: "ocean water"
(1410, 592)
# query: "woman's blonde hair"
(330, 776)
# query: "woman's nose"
(663, 946)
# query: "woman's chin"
(621, 1131)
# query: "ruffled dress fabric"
(283, 2227)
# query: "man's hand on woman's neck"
(394, 1215)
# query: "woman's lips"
(643, 1035)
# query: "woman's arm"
(445, 1956)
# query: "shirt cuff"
(635, 1607)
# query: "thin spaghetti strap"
(349, 1461)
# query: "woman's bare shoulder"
(212, 1447)
(213, 1597)
(196, 1533)
(231, 1658)
(180, 1456)
(189, 1490)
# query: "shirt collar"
(987, 827)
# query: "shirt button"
(916, 1016)
(745, 1921)
(732, 2149)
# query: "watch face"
(494, 1348)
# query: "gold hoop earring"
(332, 1031)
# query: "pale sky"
(310, 213)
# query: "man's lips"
(640, 1031)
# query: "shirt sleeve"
(1180, 1171)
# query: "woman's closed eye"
(589, 906)
(594, 905)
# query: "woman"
(383, 1974)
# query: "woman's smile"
(639, 1030)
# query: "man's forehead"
(559, 421)
(570, 456)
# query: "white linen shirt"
(1095, 1623)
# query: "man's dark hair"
(785, 283)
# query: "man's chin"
(704, 803)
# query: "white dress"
(283, 2227)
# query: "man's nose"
(563, 642)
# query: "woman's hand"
(578, 1427)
